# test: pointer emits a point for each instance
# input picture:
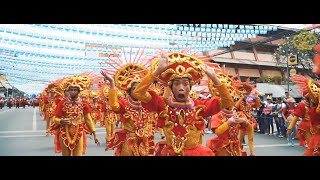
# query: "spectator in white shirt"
(278, 112)
(268, 117)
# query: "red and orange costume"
(24, 102)
(41, 103)
(109, 117)
(10, 102)
(136, 138)
(304, 128)
(18, 102)
(310, 89)
(314, 143)
(95, 106)
(226, 143)
(50, 104)
(85, 97)
(313, 90)
(183, 123)
(71, 136)
(35, 102)
(245, 107)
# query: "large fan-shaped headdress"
(223, 76)
(308, 87)
(244, 88)
(128, 68)
(54, 86)
(82, 81)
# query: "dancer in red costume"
(248, 100)
(71, 115)
(137, 136)
(310, 110)
(227, 142)
(182, 118)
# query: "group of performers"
(18, 102)
(147, 94)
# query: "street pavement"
(22, 133)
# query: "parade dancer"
(182, 118)
(248, 100)
(227, 129)
(313, 89)
(137, 137)
(71, 115)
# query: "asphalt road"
(22, 133)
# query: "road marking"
(6, 111)
(34, 120)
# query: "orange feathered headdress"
(56, 86)
(244, 87)
(223, 76)
(51, 87)
(129, 74)
(126, 71)
(95, 94)
(308, 87)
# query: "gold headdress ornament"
(158, 88)
(182, 65)
(82, 82)
(194, 94)
(95, 94)
(56, 86)
(244, 88)
(104, 90)
(94, 79)
(51, 87)
(223, 76)
(85, 93)
(126, 71)
(308, 87)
